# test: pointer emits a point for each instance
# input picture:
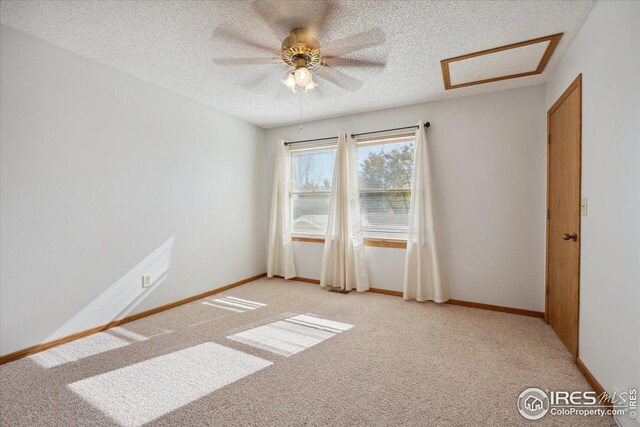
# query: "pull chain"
(300, 95)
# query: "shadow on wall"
(123, 296)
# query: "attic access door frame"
(564, 181)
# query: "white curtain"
(343, 264)
(280, 250)
(422, 280)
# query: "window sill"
(385, 242)
(368, 241)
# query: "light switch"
(583, 206)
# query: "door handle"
(573, 236)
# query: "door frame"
(575, 85)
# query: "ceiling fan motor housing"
(301, 49)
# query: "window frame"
(371, 239)
(367, 232)
(315, 148)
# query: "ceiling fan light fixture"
(301, 53)
(310, 86)
(290, 82)
(302, 76)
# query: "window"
(311, 180)
(385, 167)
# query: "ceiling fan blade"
(323, 17)
(340, 79)
(354, 43)
(245, 61)
(257, 84)
(266, 81)
(284, 16)
(350, 62)
(230, 36)
(272, 15)
(253, 84)
(318, 92)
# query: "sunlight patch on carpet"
(291, 335)
(91, 345)
(230, 303)
(79, 349)
(140, 393)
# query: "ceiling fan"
(300, 26)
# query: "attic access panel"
(501, 63)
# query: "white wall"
(606, 51)
(104, 178)
(489, 163)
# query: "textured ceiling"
(170, 44)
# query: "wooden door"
(564, 126)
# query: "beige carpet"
(282, 353)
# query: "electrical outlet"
(146, 280)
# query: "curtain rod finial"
(427, 125)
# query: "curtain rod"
(353, 135)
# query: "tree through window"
(385, 168)
(312, 176)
